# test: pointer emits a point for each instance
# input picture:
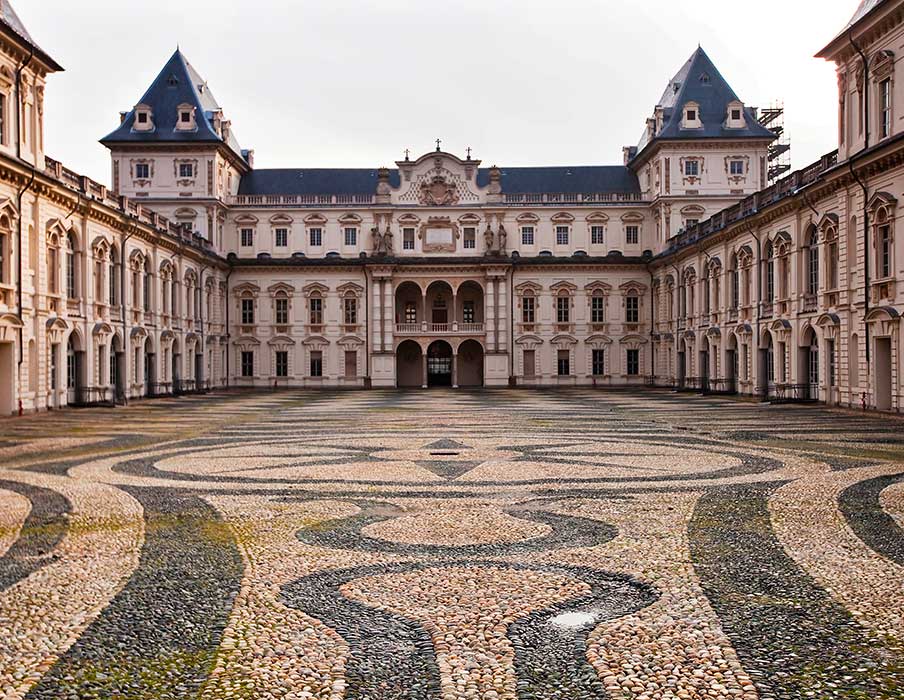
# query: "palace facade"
(682, 266)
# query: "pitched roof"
(700, 81)
(178, 83)
(865, 7)
(10, 21)
(564, 180)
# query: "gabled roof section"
(178, 83)
(11, 23)
(865, 8)
(559, 180)
(701, 82)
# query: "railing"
(792, 393)
(92, 396)
(298, 200)
(439, 327)
(768, 309)
(722, 386)
(160, 389)
(470, 328)
(689, 384)
(573, 198)
(408, 328)
(809, 302)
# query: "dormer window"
(185, 118)
(186, 171)
(734, 118)
(144, 120)
(691, 116)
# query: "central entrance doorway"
(439, 364)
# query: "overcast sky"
(354, 83)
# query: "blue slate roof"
(700, 81)
(564, 180)
(178, 83)
(10, 20)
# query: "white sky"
(352, 83)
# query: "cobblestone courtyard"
(426, 545)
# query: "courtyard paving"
(447, 545)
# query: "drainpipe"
(866, 276)
(20, 195)
(228, 334)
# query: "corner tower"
(702, 150)
(177, 153)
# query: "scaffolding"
(773, 118)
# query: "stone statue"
(488, 239)
(387, 240)
(503, 236)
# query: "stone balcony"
(439, 329)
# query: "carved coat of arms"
(438, 192)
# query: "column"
(388, 314)
(424, 370)
(491, 313)
(454, 370)
(377, 329)
(453, 320)
(502, 316)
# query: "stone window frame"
(882, 216)
(690, 117)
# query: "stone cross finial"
(468, 149)
(438, 142)
(406, 154)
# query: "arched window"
(71, 266)
(883, 244)
(735, 283)
(707, 281)
(812, 258)
(5, 252)
(146, 287)
(831, 261)
(769, 254)
(114, 276)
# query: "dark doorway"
(439, 364)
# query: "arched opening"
(7, 378)
(682, 363)
(767, 364)
(808, 364)
(439, 364)
(854, 362)
(150, 368)
(75, 367)
(409, 365)
(470, 364)
(439, 309)
(177, 367)
(409, 308)
(117, 378)
(469, 311)
(731, 362)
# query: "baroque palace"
(681, 267)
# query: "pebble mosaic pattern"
(452, 545)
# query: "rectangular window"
(736, 115)
(632, 309)
(468, 312)
(530, 364)
(470, 238)
(597, 235)
(736, 167)
(282, 363)
(247, 237)
(563, 363)
(633, 363)
(688, 223)
(527, 235)
(351, 364)
(185, 117)
(282, 238)
(598, 309)
(316, 235)
(282, 312)
(632, 235)
(247, 363)
(247, 312)
(692, 115)
(3, 120)
(351, 236)
(146, 291)
(142, 171)
(316, 306)
(561, 235)
(599, 363)
(3, 258)
(351, 312)
(885, 108)
(316, 363)
(408, 239)
(186, 170)
(692, 168)
(410, 312)
(830, 350)
(527, 309)
(563, 309)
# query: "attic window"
(705, 79)
(692, 115)
(736, 114)
(185, 117)
(172, 81)
(142, 117)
